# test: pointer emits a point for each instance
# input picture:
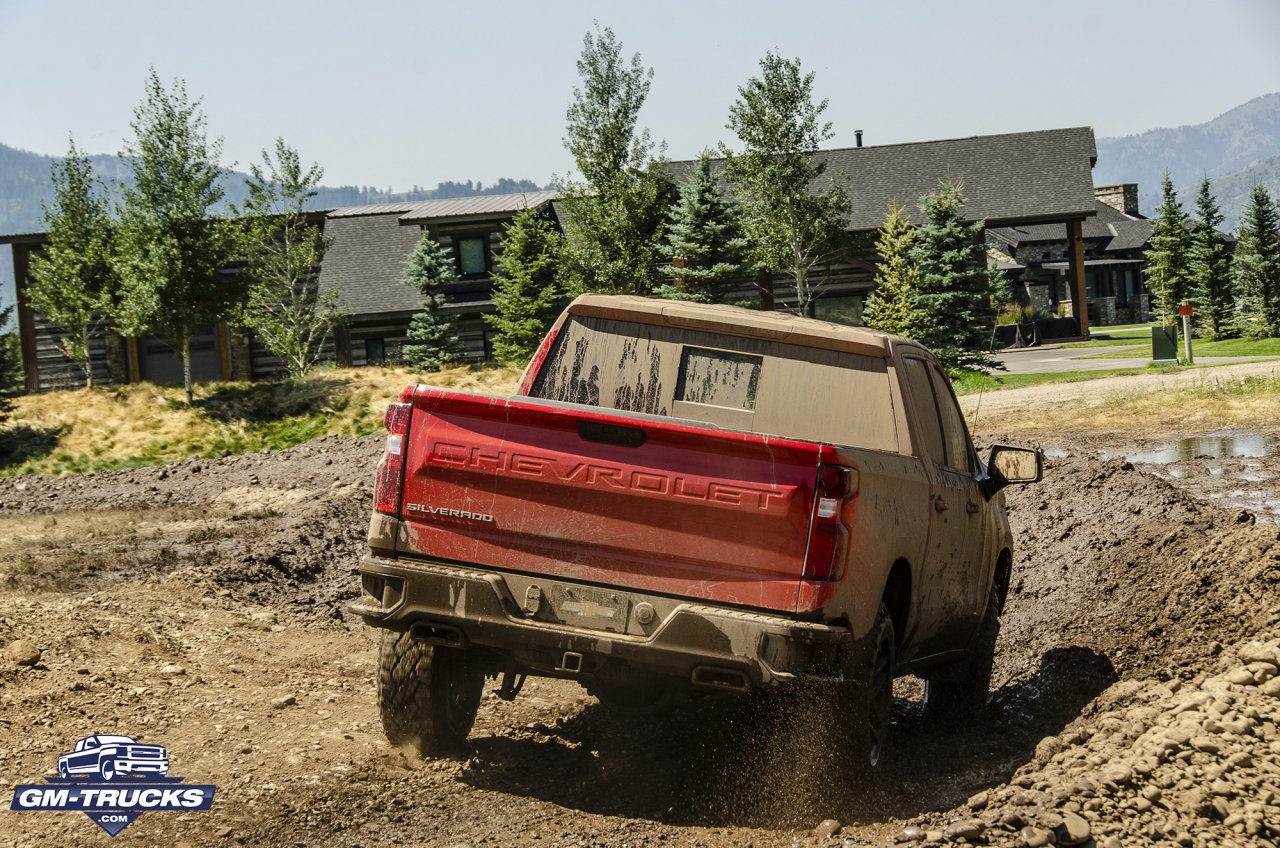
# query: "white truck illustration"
(108, 757)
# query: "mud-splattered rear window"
(719, 378)
(749, 384)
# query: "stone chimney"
(1123, 197)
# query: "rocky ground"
(199, 606)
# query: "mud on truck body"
(689, 498)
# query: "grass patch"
(970, 382)
(118, 427)
(1129, 341)
(1217, 403)
(1204, 347)
(1127, 329)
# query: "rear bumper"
(709, 647)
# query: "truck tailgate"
(650, 504)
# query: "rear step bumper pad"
(712, 647)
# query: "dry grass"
(1219, 404)
(145, 424)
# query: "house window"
(375, 352)
(473, 255)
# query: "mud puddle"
(1228, 468)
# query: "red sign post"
(1185, 310)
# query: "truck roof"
(776, 326)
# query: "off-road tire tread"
(882, 628)
(962, 693)
(408, 682)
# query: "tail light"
(828, 537)
(387, 486)
(535, 365)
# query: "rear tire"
(873, 697)
(961, 692)
(428, 696)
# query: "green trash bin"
(1164, 344)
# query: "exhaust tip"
(720, 678)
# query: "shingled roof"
(1016, 178)
(366, 262)
(1122, 232)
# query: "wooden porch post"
(1075, 276)
(26, 320)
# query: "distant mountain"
(25, 183)
(1235, 150)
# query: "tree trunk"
(186, 365)
(764, 283)
(88, 359)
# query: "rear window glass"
(753, 385)
(719, 378)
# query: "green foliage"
(283, 251)
(433, 336)
(1211, 289)
(73, 285)
(1257, 267)
(892, 306)
(705, 233)
(616, 214)
(1169, 257)
(168, 249)
(527, 296)
(11, 376)
(953, 311)
(792, 226)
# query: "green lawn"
(1201, 347)
(1130, 341)
(1130, 329)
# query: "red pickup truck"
(689, 498)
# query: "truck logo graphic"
(109, 757)
(112, 779)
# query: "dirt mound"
(1150, 763)
(314, 465)
(1114, 559)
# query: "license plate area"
(584, 606)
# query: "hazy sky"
(396, 94)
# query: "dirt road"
(199, 606)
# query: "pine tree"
(283, 249)
(1168, 258)
(792, 227)
(705, 234)
(616, 215)
(1256, 267)
(1211, 289)
(527, 296)
(433, 336)
(169, 247)
(954, 316)
(73, 285)
(892, 306)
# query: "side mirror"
(1008, 464)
